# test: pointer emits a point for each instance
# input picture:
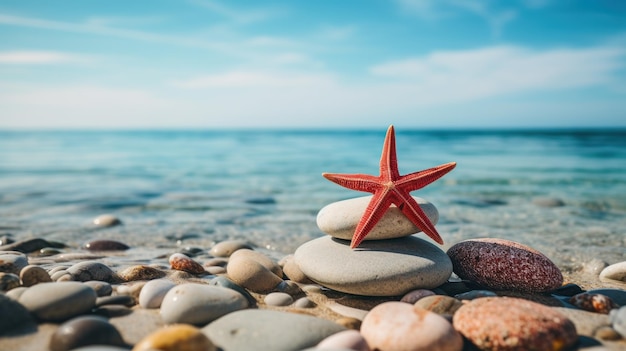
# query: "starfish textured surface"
(391, 188)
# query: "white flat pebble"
(278, 299)
(615, 271)
(339, 219)
(199, 304)
(153, 292)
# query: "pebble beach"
(112, 275)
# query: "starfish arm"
(360, 182)
(418, 180)
(415, 214)
(375, 210)
(389, 158)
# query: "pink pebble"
(399, 326)
(347, 339)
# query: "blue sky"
(322, 64)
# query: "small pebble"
(593, 302)
(217, 262)
(49, 251)
(475, 294)
(106, 220)
(440, 304)
(289, 287)
(8, 281)
(101, 288)
(59, 274)
(415, 295)
(12, 263)
(105, 245)
(617, 295)
(26, 246)
(349, 323)
(304, 302)
(153, 292)
(504, 323)
(347, 339)
(607, 333)
(262, 259)
(6, 239)
(615, 271)
(618, 320)
(125, 300)
(31, 275)
(84, 331)
(226, 248)
(184, 263)
(140, 272)
(393, 326)
(278, 299)
(177, 337)
(92, 270)
(293, 272)
(112, 311)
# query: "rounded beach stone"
(92, 270)
(347, 339)
(199, 304)
(58, 301)
(415, 295)
(616, 271)
(12, 263)
(19, 315)
(504, 323)
(31, 275)
(255, 329)
(398, 326)
(293, 272)
(185, 263)
(227, 247)
(304, 302)
(84, 331)
(8, 281)
(618, 320)
(105, 245)
(265, 261)
(376, 268)
(440, 304)
(140, 272)
(153, 292)
(106, 220)
(597, 303)
(278, 299)
(176, 337)
(251, 274)
(339, 219)
(504, 265)
(229, 284)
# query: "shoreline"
(135, 322)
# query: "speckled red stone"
(182, 262)
(511, 324)
(500, 264)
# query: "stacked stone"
(389, 262)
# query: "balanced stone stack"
(389, 262)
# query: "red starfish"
(391, 188)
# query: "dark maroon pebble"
(85, 331)
(106, 245)
(26, 246)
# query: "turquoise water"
(199, 187)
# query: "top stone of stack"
(339, 219)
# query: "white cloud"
(494, 71)
(41, 57)
(257, 79)
(240, 16)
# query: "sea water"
(195, 188)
